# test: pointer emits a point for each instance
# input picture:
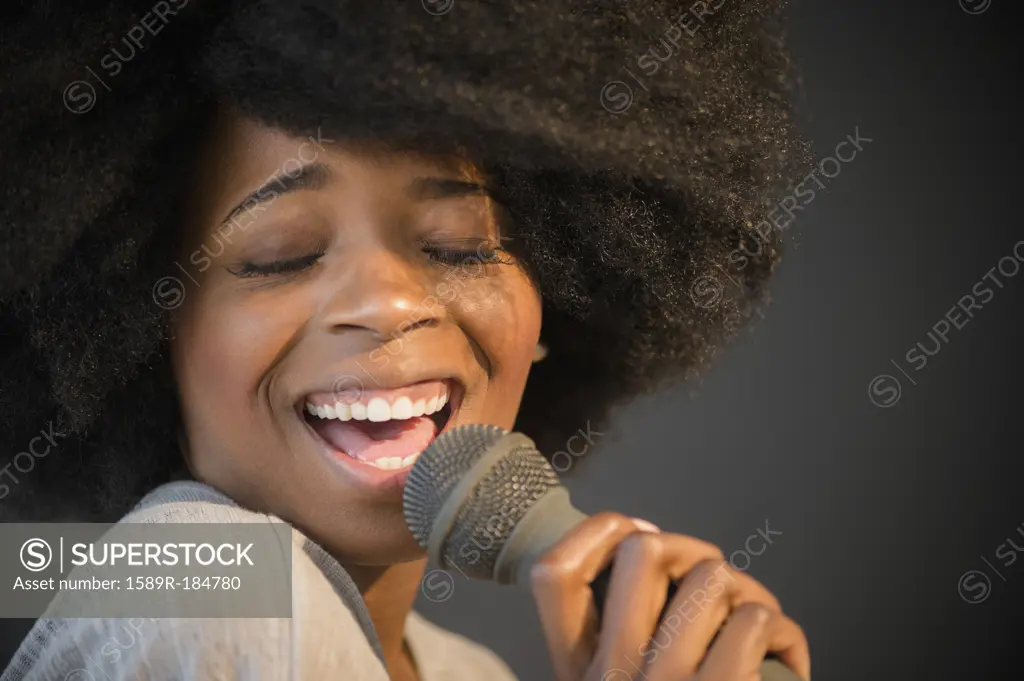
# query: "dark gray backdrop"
(883, 511)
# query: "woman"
(272, 249)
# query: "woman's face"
(361, 284)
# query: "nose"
(381, 293)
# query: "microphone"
(484, 501)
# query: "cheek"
(503, 317)
(223, 353)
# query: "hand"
(719, 626)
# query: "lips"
(386, 429)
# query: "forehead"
(239, 155)
(240, 151)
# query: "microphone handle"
(771, 669)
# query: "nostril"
(404, 329)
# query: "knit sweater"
(329, 636)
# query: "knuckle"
(719, 565)
(707, 570)
(611, 519)
(642, 546)
(753, 615)
(772, 602)
(714, 553)
(798, 629)
(548, 575)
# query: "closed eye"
(467, 252)
(273, 267)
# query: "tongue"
(371, 441)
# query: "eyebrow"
(425, 188)
(310, 176)
(317, 175)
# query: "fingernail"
(645, 526)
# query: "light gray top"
(329, 636)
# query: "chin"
(378, 538)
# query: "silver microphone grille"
(516, 477)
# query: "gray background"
(881, 510)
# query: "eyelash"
(290, 266)
(450, 257)
(457, 257)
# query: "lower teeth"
(391, 463)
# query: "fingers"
(698, 610)
(719, 626)
(751, 632)
(704, 600)
(636, 595)
(560, 581)
(644, 564)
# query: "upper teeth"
(378, 408)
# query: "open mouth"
(384, 428)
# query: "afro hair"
(637, 145)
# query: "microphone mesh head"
(438, 469)
(491, 509)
